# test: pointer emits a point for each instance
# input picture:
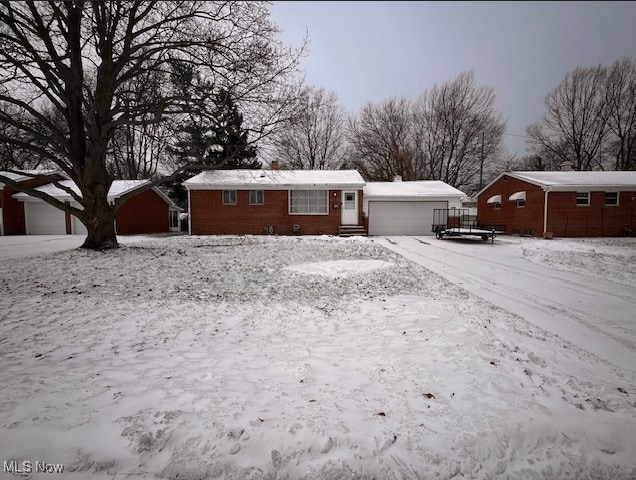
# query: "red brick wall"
(210, 217)
(13, 210)
(565, 218)
(516, 219)
(146, 212)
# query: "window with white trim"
(521, 202)
(496, 205)
(582, 198)
(229, 197)
(257, 197)
(611, 199)
(312, 202)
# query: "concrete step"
(352, 230)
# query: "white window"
(611, 199)
(229, 197)
(582, 198)
(350, 201)
(521, 203)
(313, 202)
(257, 197)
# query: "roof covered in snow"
(274, 179)
(26, 174)
(617, 179)
(117, 189)
(574, 180)
(419, 188)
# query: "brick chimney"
(274, 165)
(566, 166)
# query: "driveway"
(594, 314)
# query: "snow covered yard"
(308, 357)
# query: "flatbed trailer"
(457, 222)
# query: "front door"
(350, 208)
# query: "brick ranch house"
(150, 211)
(314, 202)
(564, 204)
(278, 202)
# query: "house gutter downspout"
(545, 209)
(189, 214)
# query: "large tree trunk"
(100, 220)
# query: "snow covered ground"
(581, 289)
(302, 357)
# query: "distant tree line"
(454, 133)
(450, 133)
(590, 120)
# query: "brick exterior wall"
(210, 217)
(146, 212)
(565, 218)
(13, 210)
(524, 220)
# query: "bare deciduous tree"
(315, 138)
(458, 130)
(573, 128)
(382, 142)
(136, 149)
(621, 112)
(79, 58)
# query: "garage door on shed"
(402, 218)
(44, 219)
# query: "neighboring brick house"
(280, 202)
(12, 210)
(564, 203)
(150, 211)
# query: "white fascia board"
(413, 198)
(590, 188)
(28, 198)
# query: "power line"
(516, 135)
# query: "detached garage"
(149, 211)
(406, 208)
(44, 219)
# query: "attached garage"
(406, 208)
(402, 218)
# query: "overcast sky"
(372, 51)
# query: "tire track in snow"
(547, 313)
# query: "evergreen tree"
(214, 137)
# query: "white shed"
(406, 208)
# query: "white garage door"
(43, 219)
(402, 218)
